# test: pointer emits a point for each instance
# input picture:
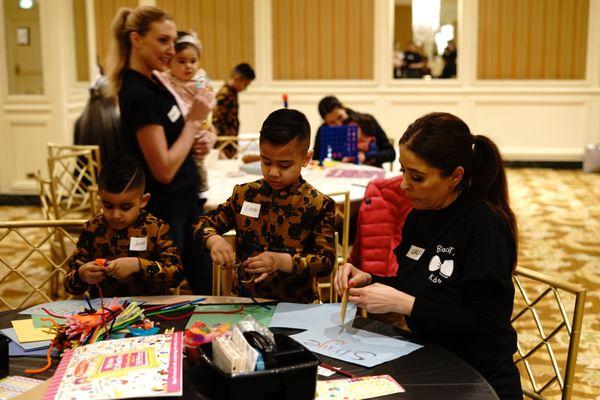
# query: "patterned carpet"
(558, 213)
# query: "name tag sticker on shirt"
(250, 209)
(174, 114)
(138, 244)
(415, 252)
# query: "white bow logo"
(446, 268)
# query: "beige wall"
(81, 42)
(24, 62)
(322, 39)
(402, 25)
(104, 12)
(533, 39)
(225, 28)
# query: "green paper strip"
(260, 313)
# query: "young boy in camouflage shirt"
(284, 226)
(142, 258)
(225, 114)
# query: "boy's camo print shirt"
(160, 263)
(299, 221)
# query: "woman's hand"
(358, 278)
(204, 141)
(91, 273)
(379, 299)
(221, 252)
(200, 107)
(123, 267)
(267, 263)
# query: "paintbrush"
(344, 307)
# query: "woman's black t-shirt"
(144, 101)
(457, 263)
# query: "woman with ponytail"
(458, 250)
(154, 129)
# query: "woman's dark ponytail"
(488, 182)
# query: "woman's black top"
(458, 263)
(144, 101)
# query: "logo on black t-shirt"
(441, 270)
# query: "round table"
(428, 373)
(223, 175)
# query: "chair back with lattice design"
(33, 258)
(234, 146)
(342, 224)
(547, 316)
(73, 173)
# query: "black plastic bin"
(294, 376)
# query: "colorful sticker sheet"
(363, 387)
(144, 366)
(12, 386)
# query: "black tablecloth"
(428, 373)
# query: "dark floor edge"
(545, 164)
(19, 200)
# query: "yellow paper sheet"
(27, 332)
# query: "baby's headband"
(191, 39)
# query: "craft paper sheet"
(310, 316)
(144, 366)
(12, 335)
(222, 313)
(323, 334)
(354, 345)
(27, 332)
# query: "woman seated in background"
(374, 145)
(457, 253)
(369, 152)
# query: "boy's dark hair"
(245, 71)
(283, 126)
(328, 104)
(121, 173)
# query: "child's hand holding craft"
(267, 263)
(221, 252)
(91, 273)
(123, 267)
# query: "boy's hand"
(91, 273)
(123, 267)
(267, 263)
(221, 251)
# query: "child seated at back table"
(142, 257)
(284, 226)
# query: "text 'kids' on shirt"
(298, 220)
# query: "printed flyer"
(143, 366)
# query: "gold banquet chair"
(71, 190)
(326, 284)
(33, 257)
(552, 335)
(234, 146)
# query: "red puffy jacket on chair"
(379, 228)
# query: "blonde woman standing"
(154, 129)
